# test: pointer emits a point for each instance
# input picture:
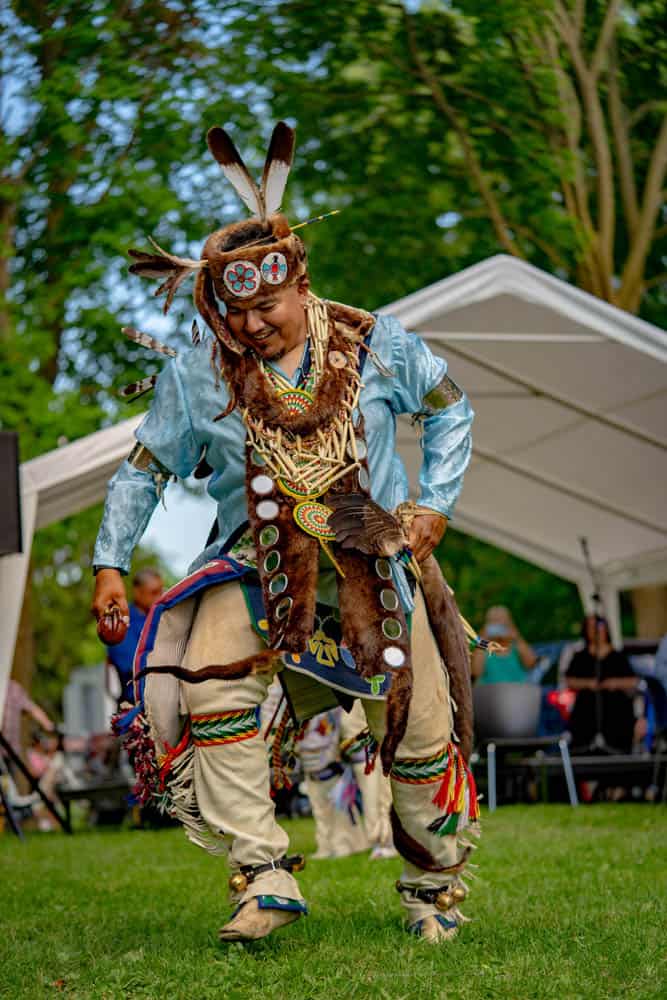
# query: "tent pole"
(612, 604)
(13, 575)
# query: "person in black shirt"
(617, 685)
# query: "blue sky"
(179, 532)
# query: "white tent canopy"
(570, 435)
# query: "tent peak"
(505, 275)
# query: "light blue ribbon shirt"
(180, 423)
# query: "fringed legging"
(231, 760)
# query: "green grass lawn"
(568, 904)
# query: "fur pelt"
(261, 663)
(361, 614)
(279, 239)
(299, 552)
(252, 390)
(398, 709)
(420, 856)
(350, 322)
(446, 624)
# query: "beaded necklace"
(306, 466)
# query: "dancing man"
(320, 569)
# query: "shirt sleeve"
(423, 388)
(133, 494)
(167, 429)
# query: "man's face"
(272, 325)
(146, 594)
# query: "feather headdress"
(243, 260)
(263, 200)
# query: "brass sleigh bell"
(459, 893)
(444, 900)
(238, 882)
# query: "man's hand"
(110, 594)
(426, 532)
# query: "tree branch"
(645, 109)
(547, 248)
(657, 279)
(578, 202)
(605, 38)
(626, 171)
(498, 221)
(598, 134)
(632, 278)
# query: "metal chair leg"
(491, 773)
(569, 773)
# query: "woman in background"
(616, 686)
(512, 660)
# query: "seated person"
(511, 661)
(616, 686)
(147, 586)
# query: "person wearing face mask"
(319, 569)
(510, 659)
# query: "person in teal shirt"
(511, 661)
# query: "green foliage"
(120, 915)
(452, 132)
(542, 605)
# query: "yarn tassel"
(371, 751)
(444, 794)
(279, 777)
(472, 796)
(172, 753)
(456, 797)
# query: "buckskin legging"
(231, 759)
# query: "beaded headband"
(256, 265)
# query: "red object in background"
(563, 701)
